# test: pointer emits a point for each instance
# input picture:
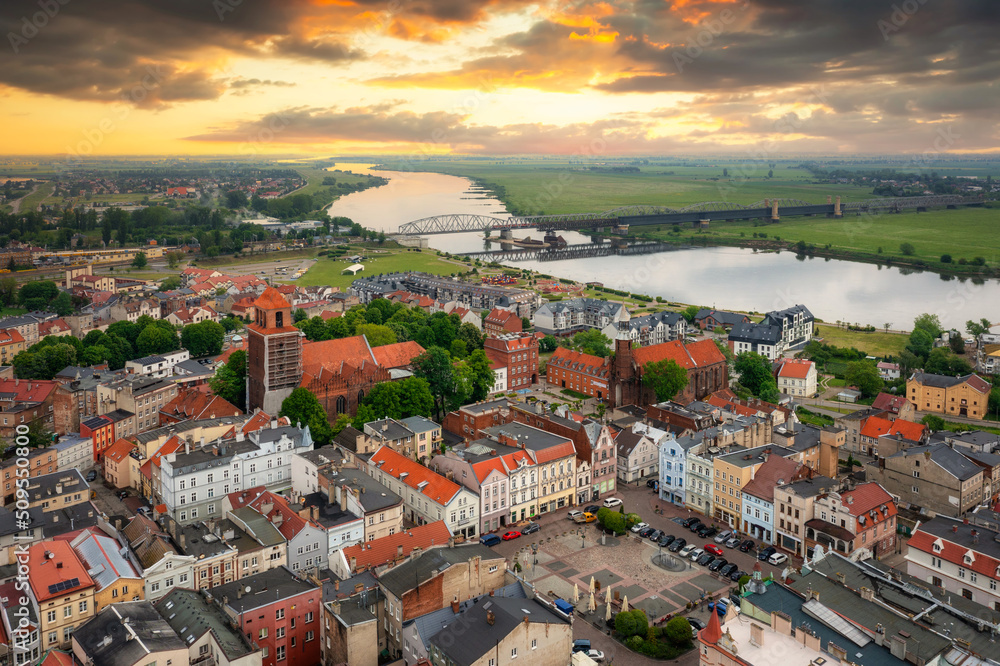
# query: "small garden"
(667, 642)
(616, 522)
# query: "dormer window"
(938, 546)
(970, 557)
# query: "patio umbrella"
(591, 584)
(625, 604)
(576, 593)
(607, 596)
(592, 606)
(607, 612)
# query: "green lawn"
(32, 201)
(879, 343)
(330, 272)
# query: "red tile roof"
(224, 357)
(695, 355)
(52, 327)
(271, 299)
(397, 355)
(500, 317)
(193, 405)
(876, 426)
(119, 450)
(57, 658)
(386, 550)
(775, 471)
(955, 553)
(795, 368)
(28, 390)
(589, 364)
(331, 353)
(44, 570)
(256, 498)
(866, 498)
(438, 489)
(888, 402)
(327, 315)
(10, 336)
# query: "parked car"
(685, 551)
(696, 624)
(705, 559)
(596, 655)
(695, 554)
(122, 494)
(724, 536)
(666, 540)
(688, 522)
(717, 564)
(646, 531)
(728, 569)
(92, 475)
(638, 527)
(612, 502)
(707, 531)
(573, 514)
(676, 545)
(489, 539)
(720, 606)
(733, 542)
(695, 526)
(581, 645)
(507, 536)
(777, 559)
(712, 548)
(593, 508)
(766, 553)
(651, 483)
(655, 535)
(531, 528)
(736, 575)
(747, 546)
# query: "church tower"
(625, 385)
(274, 353)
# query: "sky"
(498, 77)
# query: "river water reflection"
(722, 277)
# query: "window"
(309, 636)
(936, 561)
(280, 651)
(279, 614)
(279, 632)
(262, 633)
(51, 616)
(534, 643)
(513, 653)
(83, 604)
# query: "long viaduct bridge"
(622, 218)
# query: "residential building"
(426, 435)
(11, 344)
(194, 405)
(474, 296)
(28, 403)
(956, 396)
(852, 424)
(960, 557)
(764, 339)
(935, 477)
(128, 634)
(555, 460)
(487, 473)
(470, 421)
(518, 352)
(434, 579)
(500, 322)
(988, 354)
(154, 556)
(895, 406)
(58, 490)
(358, 494)
(281, 613)
(638, 454)
(306, 467)
(159, 366)
(40, 461)
(389, 550)
(735, 470)
(651, 329)
(713, 319)
(307, 541)
(569, 316)
(115, 580)
(889, 372)
(63, 590)
(206, 630)
(794, 506)
(860, 518)
(74, 452)
(259, 545)
(973, 440)
(428, 496)
(758, 495)
(506, 628)
(391, 433)
(142, 396)
(796, 377)
(583, 373)
(116, 464)
(673, 479)
(216, 560)
(881, 437)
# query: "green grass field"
(330, 272)
(561, 186)
(32, 201)
(879, 343)
(963, 233)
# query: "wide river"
(719, 277)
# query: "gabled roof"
(888, 402)
(867, 498)
(270, 506)
(104, 560)
(776, 471)
(695, 355)
(55, 571)
(397, 355)
(587, 364)
(431, 484)
(795, 368)
(119, 450)
(353, 351)
(386, 549)
(974, 381)
(193, 404)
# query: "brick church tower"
(626, 388)
(274, 353)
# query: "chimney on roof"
(354, 563)
(490, 618)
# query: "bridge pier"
(620, 229)
(774, 212)
(702, 223)
(507, 234)
(619, 243)
(837, 212)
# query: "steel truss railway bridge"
(698, 214)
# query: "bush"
(631, 519)
(678, 631)
(907, 249)
(945, 258)
(635, 642)
(633, 624)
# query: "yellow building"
(955, 396)
(58, 490)
(114, 577)
(733, 471)
(11, 344)
(63, 589)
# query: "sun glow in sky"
(112, 77)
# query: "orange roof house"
(193, 405)
(428, 483)
(52, 567)
(390, 549)
(397, 355)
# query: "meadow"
(327, 271)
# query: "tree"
(338, 426)
(140, 260)
(62, 304)
(155, 340)
(203, 339)
(864, 375)
(236, 199)
(907, 249)
(930, 323)
(920, 344)
(230, 381)
(174, 258)
(471, 335)
(548, 344)
(303, 407)
(956, 343)
(416, 398)
(633, 623)
(942, 362)
(298, 314)
(754, 372)
(170, 283)
(38, 294)
(975, 329)
(678, 631)
(592, 342)
(434, 366)
(231, 323)
(690, 312)
(8, 291)
(483, 377)
(933, 423)
(667, 378)
(457, 349)
(377, 334)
